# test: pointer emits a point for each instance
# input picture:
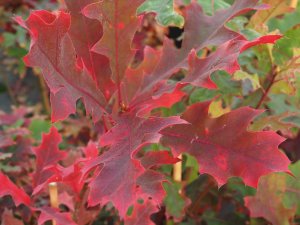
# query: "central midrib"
(68, 81)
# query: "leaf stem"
(294, 3)
(53, 197)
(177, 172)
(269, 83)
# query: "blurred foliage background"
(268, 79)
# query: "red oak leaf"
(48, 213)
(9, 219)
(159, 66)
(10, 119)
(150, 185)
(224, 58)
(52, 51)
(47, 157)
(141, 214)
(71, 176)
(224, 147)
(200, 30)
(9, 188)
(6, 140)
(134, 77)
(7, 136)
(91, 150)
(133, 81)
(120, 24)
(158, 158)
(116, 180)
(97, 65)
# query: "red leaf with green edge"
(118, 170)
(223, 146)
(97, 65)
(141, 214)
(48, 214)
(7, 187)
(47, 157)
(268, 201)
(53, 52)
(196, 37)
(120, 24)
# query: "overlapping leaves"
(96, 68)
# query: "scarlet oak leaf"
(97, 65)
(120, 24)
(47, 157)
(52, 51)
(141, 214)
(7, 187)
(118, 170)
(223, 146)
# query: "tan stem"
(294, 3)
(177, 170)
(53, 192)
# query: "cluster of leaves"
(13, 39)
(196, 104)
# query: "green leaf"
(237, 23)
(209, 9)
(165, 14)
(226, 84)
(202, 94)
(9, 39)
(37, 127)
(286, 22)
(174, 202)
(292, 196)
(283, 49)
(192, 165)
(250, 82)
